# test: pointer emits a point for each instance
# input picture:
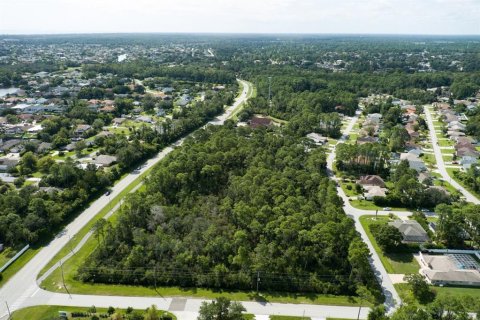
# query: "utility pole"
(63, 280)
(155, 276)
(8, 309)
(258, 280)
(270, 90)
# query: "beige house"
(450, 269)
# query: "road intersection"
(23, 290)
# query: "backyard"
(396, 263)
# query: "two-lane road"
(441, 164)
(22, 287)
(392, 298)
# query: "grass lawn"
(277, 120)
(17, 265)
(349, 192)
(352, 138)
(429, 159)
(332, 142)
(466, 293)
(398, 263)
(37, 174)
(65, 156)
(6, 255)
(446, 185)
(451, 172)
(447, 157)
(51, 312)
(447, 152)
(445, 143)
(369, 205)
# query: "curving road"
(391, 295)
(23, 291)
(441, 164)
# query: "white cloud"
(262, 16)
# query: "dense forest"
(232, 205)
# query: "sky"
(444, 17)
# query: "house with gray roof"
(411, 231)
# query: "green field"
(6, 255)
(451, 172)
(445, 143)
(467, 294)
(429, 159)
(397, 263)
(51, 312)
(369, 205)
(17, 265)
(349, 192)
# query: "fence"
(9, 262)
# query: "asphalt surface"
(22, 290)
(441, 164)
(392, 298)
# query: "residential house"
(184, 100)
(118, 121)
(44, 147)
(468, 161)
(411, 230)
(414, 161)
(104, 160)
(374, 191)
(450, 269)
(9, 161)
(317, 138)
(145, 119)
(371, 180)
(81, 129)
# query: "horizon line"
(237, 33)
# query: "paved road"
(392, 297)
(441, 165)
(22, 290)
(22, 287)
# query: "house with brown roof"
(371, 180)
(107, 109)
